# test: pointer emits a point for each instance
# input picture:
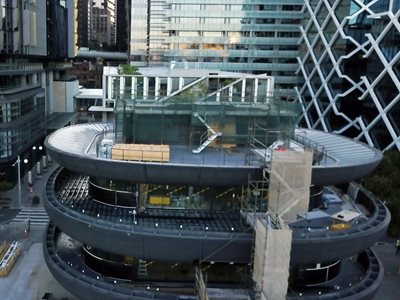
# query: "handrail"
(184, 88)
(302, 139)
(221, 89)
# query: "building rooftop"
(90, 93)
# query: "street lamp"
(18, 163)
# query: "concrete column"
(23, 80)
(190, 196)
(30, 178)
(44, 162)
(34, 78)
(50, 92)
(38, 170)
(230, 93)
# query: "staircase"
(142, 268)
(208, 137)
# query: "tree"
(128, 70)
(384, 182)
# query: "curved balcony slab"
(70, 147)
(314, 247)
(365, 289)
(343, 160)
(87, 288)
(148, 242)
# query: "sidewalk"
(386, 251)
(30, 278)
(39, 186)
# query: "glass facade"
(239, 36)
(22, 113)
(179, 109)
(349, 69)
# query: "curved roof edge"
(69, 146)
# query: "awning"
(58, 120)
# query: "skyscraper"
(350, 69)
(240, 36)
(97, 23)
(34, 35)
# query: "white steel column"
(109, 88)
(134, 88)
(243, 96)
(181, 82)
(169, 86)
(157, 88)
(145, 87)
(255, 89)
(121, 88)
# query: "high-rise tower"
(34, 37)
(241, 36)
(350, 69)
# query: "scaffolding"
(274, 201)
(290, 180)
(271, 258)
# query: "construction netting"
(289, 186)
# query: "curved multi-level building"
(144, 207)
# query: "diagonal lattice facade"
(350, 65)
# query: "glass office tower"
(350, 69)
(35, 39)
(254, 36)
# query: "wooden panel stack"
(9, 258)
(3, 249)
(159, 200)
(141, 152)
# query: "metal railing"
(21, 67)
(320, 152)
(17, 88)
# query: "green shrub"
(5, 186)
